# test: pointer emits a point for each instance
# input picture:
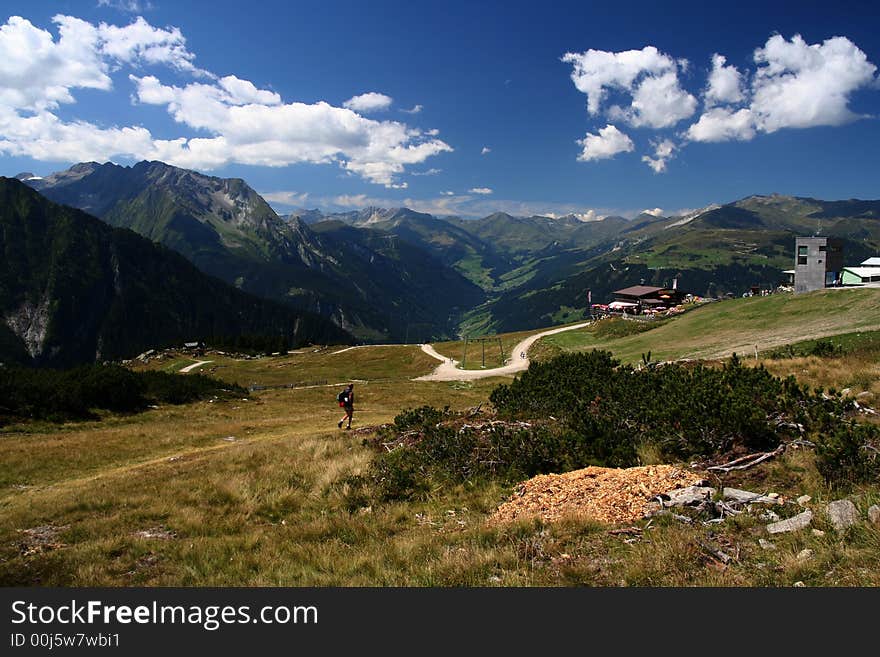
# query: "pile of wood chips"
(612, 495)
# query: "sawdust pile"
(613, 495)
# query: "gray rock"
(842, 514)
(805, 555)
(799, 584)
(792, 524)
(818, 533)
(874, 514)
(748, 497)
(689, 496)
(803, 499)
(765, 544)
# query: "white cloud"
(369, 102)
(654, 212)
(609, 142)
(448, 193)
(802, 86)
(795, 85)
(663, 152)
(647, 75)
(38, 72)
(429, 172)
(286, 197)
(725, 83)
(415, 110)
(486, 150)
(658, 102)
(480, 190)
(722, 124)
(131, 6)
(238, 121)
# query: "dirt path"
(448, 369)
(190, 368)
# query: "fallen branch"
(629, 531)
(753, 459)
(718, 554)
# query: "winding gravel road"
(448, 369)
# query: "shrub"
(587, 409)
(848, 454)
(75, 394)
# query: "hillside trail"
(448, 369)
(190, 368)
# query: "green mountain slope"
(721, 250)
(229, 231)
(75, 290)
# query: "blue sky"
(454, 107)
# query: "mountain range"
(393, 274)
(74, 289)
(377, 288)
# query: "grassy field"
(251, 492)
(737, 325)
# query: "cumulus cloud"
(725, 83)
(429, 172)
(369, 102)
(486, 150)
(238, 121)
(663, 152)
(480, 190)
(648, 76)
(798, 85)
(795, 85)
(414, 110)
(723, 124)
(607, 143)
(38, 72)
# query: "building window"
(802, 260)
(822, 248)
(802, 250)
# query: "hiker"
(346, 400)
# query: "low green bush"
(848, 455)
(75, 394)
(588, 409)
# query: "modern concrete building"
(818, 263)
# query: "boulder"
(748, 497)
(842, 514)
(689, 496)
(874, 515)
(792, 524)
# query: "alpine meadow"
(494, 295)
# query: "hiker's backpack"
(341, 397)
